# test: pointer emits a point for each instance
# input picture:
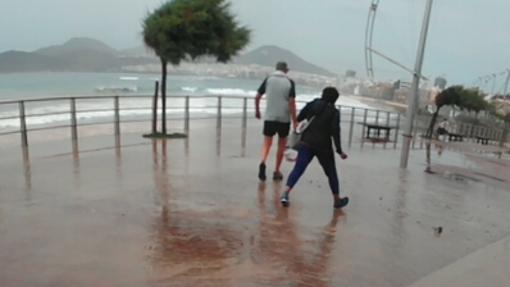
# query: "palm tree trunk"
(163, 95)
(430, 130)
(428, 144)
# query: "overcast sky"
(468, 38)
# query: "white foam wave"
(114, 89)
(126, 78)
(230, 92)
(189, 89)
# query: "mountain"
(16, 61)
(138, 52)
(73, 47)
(90, 55)
(75, 55)
(270, 55)
(87, 55)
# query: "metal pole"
(378, 131)
(218, 114)
(117, 118)
(23, 124)
(387, 135)
(507, 83)
(369, 32)
(494, 78)
(186, 114)
(397, 130)
(74, 121)
(411, 110)
(244, 123)
(218, 127)
(351, 129)
(364, 127)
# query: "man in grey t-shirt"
(280, 94)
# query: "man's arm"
(292, 104)
(260, 93)
(292, 109)
(257, 106)
(335, 133)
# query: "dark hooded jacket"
(324, 127)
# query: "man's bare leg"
(282, 142)
(266, 148)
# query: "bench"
(455, 137)
(377, 133)
(482, 140)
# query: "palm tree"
(471, 100)
(449, 97)
(186, 29)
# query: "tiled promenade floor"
(192, 213)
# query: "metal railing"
(74, 112)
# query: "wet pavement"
(192, 213)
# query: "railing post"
(387, 136)
(397, 130)
(117, 118)
(23, 124)
(186, 114)
(351, 128)
(244, 123)
(218, 113)
(378, 131)
(74, 121)
(364, 127)
(218, 127)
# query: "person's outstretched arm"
(335, 133)
(260, 93)
(292, 104)
(293, 112)
(304, 113)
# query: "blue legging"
(326, 160)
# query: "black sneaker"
(284, 199)
(277, 176)
(341, 203)
(262, 172)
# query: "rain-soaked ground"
(192, 213)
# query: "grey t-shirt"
(278, 89)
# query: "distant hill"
(90, 55)
(16, 61)
(138, 52)
(270, 55)
(264, 56)
(74, 46)
(75, 55)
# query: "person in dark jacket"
(316, 141)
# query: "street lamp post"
(507, 82)
(414, 97)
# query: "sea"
(102, 86)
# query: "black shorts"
(271, 128)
